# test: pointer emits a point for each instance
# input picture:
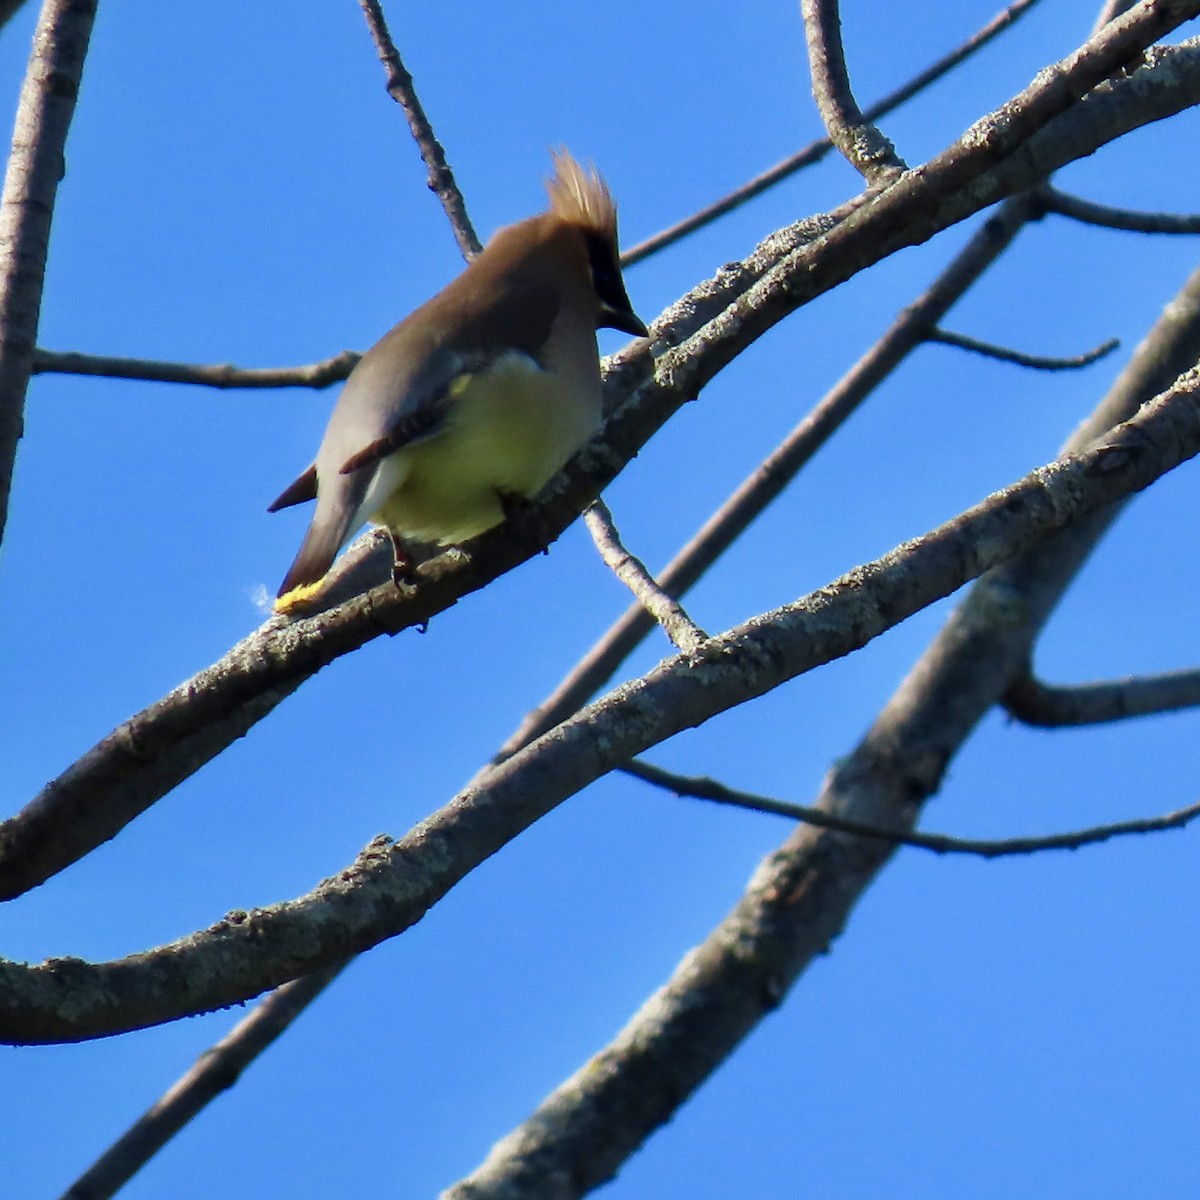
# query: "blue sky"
(241, 189)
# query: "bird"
(478, 398)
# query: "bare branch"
(865, 147)
(702, 788)
(401, 89)
(392, 884)
(151, 753)
(218, 375)
(1038, 362)
(815, 151)
(1111, 10)
(215, 1071)
(1118, 218)
(35, 166)
(1049, 706)
(678, 626)
(8, 10)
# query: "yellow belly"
(510, 431)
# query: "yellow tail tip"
(297, 596)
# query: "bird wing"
(407, 383)
(300, 490)
(422, 412)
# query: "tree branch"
(333, 370)
(1036, 361)
(701, 788)
(905, 334)
(1108, 217)
(401, 89)
(1048, 706)
(219, 375)
(864, 146)
(214, 1072)
(684, 633)
(757, 491)
(8, 10)
(981, 167)
(35, 166)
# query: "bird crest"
(581, 197)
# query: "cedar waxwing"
(480, 396)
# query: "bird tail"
(307, 573)
(339, 510)
(298, 491)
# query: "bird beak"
(624, 319)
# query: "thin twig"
(1037, 361)
(8, 10)
(815, 151)
(1105, 215)
(686, 635)
(217, 375)
(1050, 706)
(1110, 11)
(864, 146)
(702, 788)
(215, 1071)
(35, 166)
(400, 88)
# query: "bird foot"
(404, 571)
(513, 504)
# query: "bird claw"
(513, 504)
(403, 569)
